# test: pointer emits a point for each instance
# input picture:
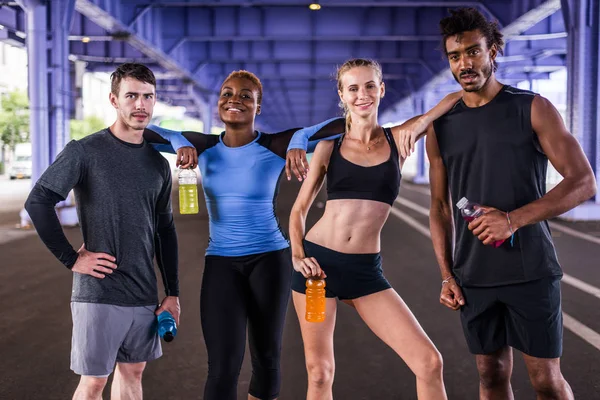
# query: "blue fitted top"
(241, 184)
(240, 187)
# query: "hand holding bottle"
(187, 157)
(489, 224)
(188, 191)
(315, 286)
(168, 317)
(308, 267)
(170, 304)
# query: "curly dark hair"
(470, 19)
(130, 70)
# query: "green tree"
(87, 126)
(14, 122)
(14, 118)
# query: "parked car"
(21, 165)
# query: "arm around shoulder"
(408, 133)
(328, 130)
(157, 135)
(443, 107)
(305, 140)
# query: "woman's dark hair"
(470, 19)
(243, 74)
(130, 70)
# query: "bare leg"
(495, 371)
(90, 388)
(390, 319)
(318, 348)
(547, 379)
(127, 381)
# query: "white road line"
(416, 188)
(413, 206)
(578, 328)
(553, 225)
(411, 221)
(584, 332)
(581, 285)
(568, 279)
(574, 233)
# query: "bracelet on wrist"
(512, 232)
(448, 280)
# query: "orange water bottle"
(315, 299)
(188, 191)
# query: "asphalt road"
(36, 321)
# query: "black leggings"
(236, 290)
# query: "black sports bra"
(346, 180)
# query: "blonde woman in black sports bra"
(363, 179)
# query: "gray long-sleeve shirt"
(123, 193)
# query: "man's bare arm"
(440, 213)
(567, 157)
(440, 223)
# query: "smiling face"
(134, 103)
(470, 59)
(361, 90)
(238, 101)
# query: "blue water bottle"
(167, 328)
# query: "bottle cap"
(462, 203)
(168, 336)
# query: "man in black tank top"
(493, 148)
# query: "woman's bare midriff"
(350, 226)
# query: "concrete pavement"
(35, 338)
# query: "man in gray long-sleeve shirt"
(122, 188)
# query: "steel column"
(37, 67)
(583, 87)
(61, 12)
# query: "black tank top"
(346, 180)
(493, 157)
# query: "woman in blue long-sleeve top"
(247, 273)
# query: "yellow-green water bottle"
(188, 191)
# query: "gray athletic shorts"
(104, 334)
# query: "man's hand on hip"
(94, 264)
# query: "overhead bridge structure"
(193, 45)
